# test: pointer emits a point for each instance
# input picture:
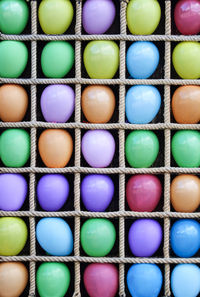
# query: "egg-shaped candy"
(13, 191)
(55, 236)
(55, 147)
(13, 236)
(13, 279)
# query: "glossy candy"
(55, 16)
(97, 191)
(55, 147)
(185, 280)
(185, 104)
(13, 58)
(143, 16)
(185, 238)
(55, 236)
(13, 236)
(13, 191)
(13, 103)
(13, 279)
(144, 280)
(52, 191)
(186, 148)
(15, 147)
(57, 103)
(185, 193)
(187, 17)
(143, 192)
(14, 16)
(186, 60)
(98, 148)
(142, 59)
(98, 103)
(101, 279)
(57, 59)
(101, 59)
(141, 148)
(97, 237)
(53, 279)
(142, 104)
(98, 16)
(144, 237)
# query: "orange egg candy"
(98, 103)
(13, 103)
(185, 193)
(13, 279)
(55, 147)
(186, 105)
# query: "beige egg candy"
(55, 147)
(98, 104)
(13, 279)
(13, 103)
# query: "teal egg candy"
(185, 280)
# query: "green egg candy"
(14, 16)
(186, 148)
(15, 147)
(98, 237)
(13, 58)
(141, 148)
(57, 59)
(53, 279)
(13, 236)
(186, 60)
(101, 59)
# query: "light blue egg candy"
(142, 104)
(185, 280)
(55, 236)
(142, 59)
(185, 237)
(144, 280)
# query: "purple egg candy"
(144, 237)
(98, 148)
(13, 191)
(52, 191)
(57, 103)
(98, 16)
(97, 191)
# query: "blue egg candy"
(142, 59)
(144, 280)
(185, 238)
(55, 236)
(185, 280)
(142, 104)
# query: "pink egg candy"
(57, 103)
(143, 192)
(101, 280)
(98, 148)
(98, 16)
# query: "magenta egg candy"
(98, 16)
(52, 191)
(98, 148)
(101, 280)
(143, 192)
(57, 103)
(144, 237)
(13, 191)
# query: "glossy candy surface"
(55, 236)
(141, 148)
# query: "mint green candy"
(57, 59)
(141, 148)
(13, 58)
(15, 147)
